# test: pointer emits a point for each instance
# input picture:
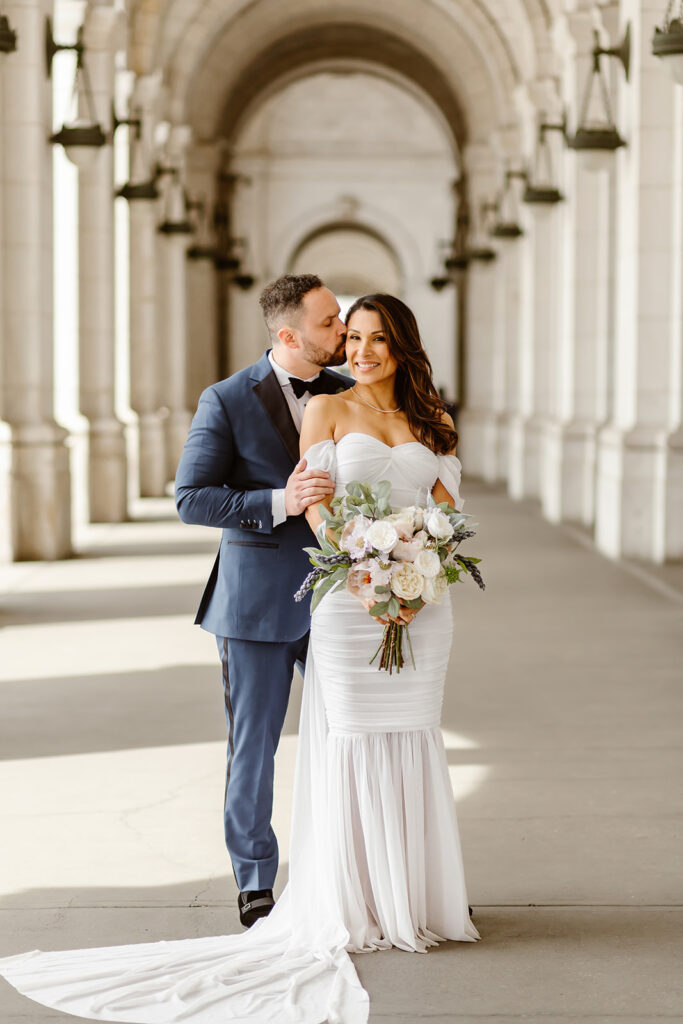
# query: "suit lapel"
(269, 394)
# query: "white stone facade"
(356, 140)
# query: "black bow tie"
(320, 386)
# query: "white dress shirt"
(296, 408)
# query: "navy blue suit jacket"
(243, 445)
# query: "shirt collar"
(284, 375)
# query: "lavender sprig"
(309, 583)
(471, 566)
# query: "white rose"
(434, 589)
(403, 522)
(428, 563)
(438, 524)
(406, 581)
(408, 550)
(382, 536)
(353, 536)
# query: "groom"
(240, 470)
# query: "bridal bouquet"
(388, 558)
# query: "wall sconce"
(598, 140)
(175, 220)
(8, 37)
(83, 139)
(243, 281)
(540, 188)
(204, 248)
(141, 185)
(667, 43)
(507, 226)
(439, 283)
(480, 249)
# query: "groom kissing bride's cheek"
(367, 462)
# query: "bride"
(375, 856)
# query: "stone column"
(107, 463)
(172, 308)
(40, 473)
(640, 457)
(481, 421)
(582, 328)
(203, 166)
(545, 242)
(515, 287)
(145, 353)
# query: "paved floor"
(563, 726)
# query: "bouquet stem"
(391, 648)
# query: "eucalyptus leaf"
(393, 607)
(379, 609)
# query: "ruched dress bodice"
(409, 468)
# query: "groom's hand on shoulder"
(306, 487)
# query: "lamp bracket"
(51, 47)
(553, 126)
(132, 122)
(622, 51)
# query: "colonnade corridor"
(563, 727)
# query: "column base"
(107, 472)
(524, 454)
(40, 493)
(568, 472)
(152, 455)
(177, 427)
(630, 493)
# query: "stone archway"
(352, 260)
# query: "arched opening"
(352, 260)
(348, 172)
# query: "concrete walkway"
(562, 721)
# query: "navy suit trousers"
(257, 678)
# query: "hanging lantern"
(596, 137)
(83, 137)
(141, 185)
(8, 37)
(174, 220)
(507, 226)
(540, 187)
(204, 248)
(480, 249)
(667, 42)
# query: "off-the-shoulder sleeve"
(450, 471)
(322, 455)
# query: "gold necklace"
(385, 411)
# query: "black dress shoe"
(254, 904)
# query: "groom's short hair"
(282, 299)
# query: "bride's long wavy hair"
(415, 391)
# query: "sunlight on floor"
(112, 817)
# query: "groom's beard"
(321, 357)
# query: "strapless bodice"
(409, 468)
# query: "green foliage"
(452, 574)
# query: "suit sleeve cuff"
(279, 511)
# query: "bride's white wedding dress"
(375, 855)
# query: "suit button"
(242, 524)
